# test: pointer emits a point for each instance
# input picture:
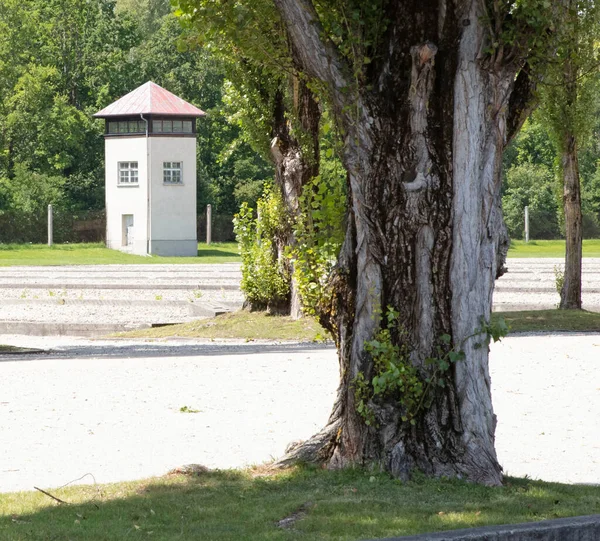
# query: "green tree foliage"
(534, 147)
(61, 60)
(148, 13)
(531, 185)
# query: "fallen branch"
(50, 496)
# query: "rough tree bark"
(295, 166)
(423, 138)
(570, 295)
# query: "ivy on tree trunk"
(295, 164)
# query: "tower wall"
(173, 206)
(126, 199)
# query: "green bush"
(265, 281)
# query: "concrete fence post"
(208, 224)
(526, 224)
(50, 225)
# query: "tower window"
(172, 173)
(172, 126)
(128, 172)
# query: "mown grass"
(328, 505)
(242, 325)
(13, 349)
(550, 320)
(98, 254)
(550, 248)
(259, 325)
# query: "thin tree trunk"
(295, 166)
(423, 147)
(570, 295)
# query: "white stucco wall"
(173, 218)
(126, 199)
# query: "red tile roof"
(150, 99)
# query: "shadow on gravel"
(133, 351)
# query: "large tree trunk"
(570, 295)
(423, 144)
(295, 166)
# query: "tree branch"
(521, 104)
(319, 58)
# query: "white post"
(526, 224)
(208, 223)
(50, 225)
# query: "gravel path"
(166, 293)
(116, 294)
(530, 284)
(113, 408)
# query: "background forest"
(63, 60)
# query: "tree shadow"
(157, 350)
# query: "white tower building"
(150, 144)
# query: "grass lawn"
(327, 505)
(98, 254)
(14, 349)
(242, 324)
(550, 248)
(551, 320)
(258, 325)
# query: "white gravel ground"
(529, 284)
(100, 293)
(112, 409)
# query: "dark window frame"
(150, 118)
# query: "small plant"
(24, 293)
(158, 297)
(51, 293)
(186, 409)
(196, 294)
(559, 278)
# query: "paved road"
(113, 409)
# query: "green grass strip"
(246, 325)
(241, 325)
(550, 321)
(323, 505)
(98, 254)
(550, 248)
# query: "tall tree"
(427, 95)
(569, 99)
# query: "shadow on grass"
(347, 505)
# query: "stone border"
(563, 529)
(87, 330)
